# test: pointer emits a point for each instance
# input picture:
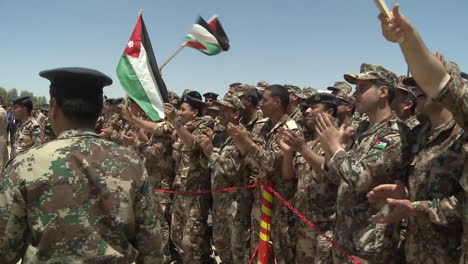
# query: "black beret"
(194, 99)
(211, 95)
(464, 75)
(118, 101)
(21, 99)
(76, 77)
(323, 98)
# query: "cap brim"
(331, 88)
(351, 78)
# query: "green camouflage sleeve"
(440, 211)
(148, 228)
(13, 220)
(362, 173)
(454, 96)
(263, 156)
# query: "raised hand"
(396, 28)
(170, 112)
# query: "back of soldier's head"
(77, 92)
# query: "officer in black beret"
(28, 129)
(90, 187)
(210, 98)
(324, 102)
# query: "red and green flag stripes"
(139, 74)
(208, 37)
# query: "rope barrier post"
(265, 223)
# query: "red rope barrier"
(309, 223)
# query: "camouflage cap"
(173, 98)
(292, 89)
(373, 72)
(308, 92)
(232, 101)
(244, 89)
(261, 85)
(342, 87)
(401, 86)
(186, 91)
(344, 99)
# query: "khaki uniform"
(231, 210)
(190, 211)
(315, 199)
(266, 158)
(27, 133)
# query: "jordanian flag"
(139, 74)
(208, 37)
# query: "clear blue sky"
(307, 43)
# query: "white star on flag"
(130, 44)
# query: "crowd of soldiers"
(382, 170)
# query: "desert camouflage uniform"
(78, 199)
(296, 115)
(3, 138)
(266, 157)
(190, 211)
(26, 136)
(47, 134)
(315, 199)
(375, 156)
(433, 236)
(157, 154)
(231, 210)
(219, 133)
(454, 97)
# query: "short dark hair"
(279, 92)
(391, 90)
(84, 105)
(331, 106)
(252, 96)
(407, 97)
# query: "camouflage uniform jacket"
(266, 155)
(315, 197)
(374, 157)
(228, 167)
(26, 136)
(251, 124)
(296, 115)
(454, 96)
(158, 155)
(47, 134)
(191, 175)
(434, 235)
(78, 199)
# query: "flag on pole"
(139, 74)
(208, 37)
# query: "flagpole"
(171, 57)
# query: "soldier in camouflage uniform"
(250, 114)
(28, 130)
(404, 103)
(3, 138)
(47, 133)
(340, 88)
(375, 156)
(190, 211)
(263, 151)
(433, 189)
(316, 196)
(78, 199)
(231, 213)
(444, 85)
(294, 111)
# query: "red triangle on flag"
(133, 47)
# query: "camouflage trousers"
(231, 225)
(311, 247)
(281, 231)
(189, 227)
